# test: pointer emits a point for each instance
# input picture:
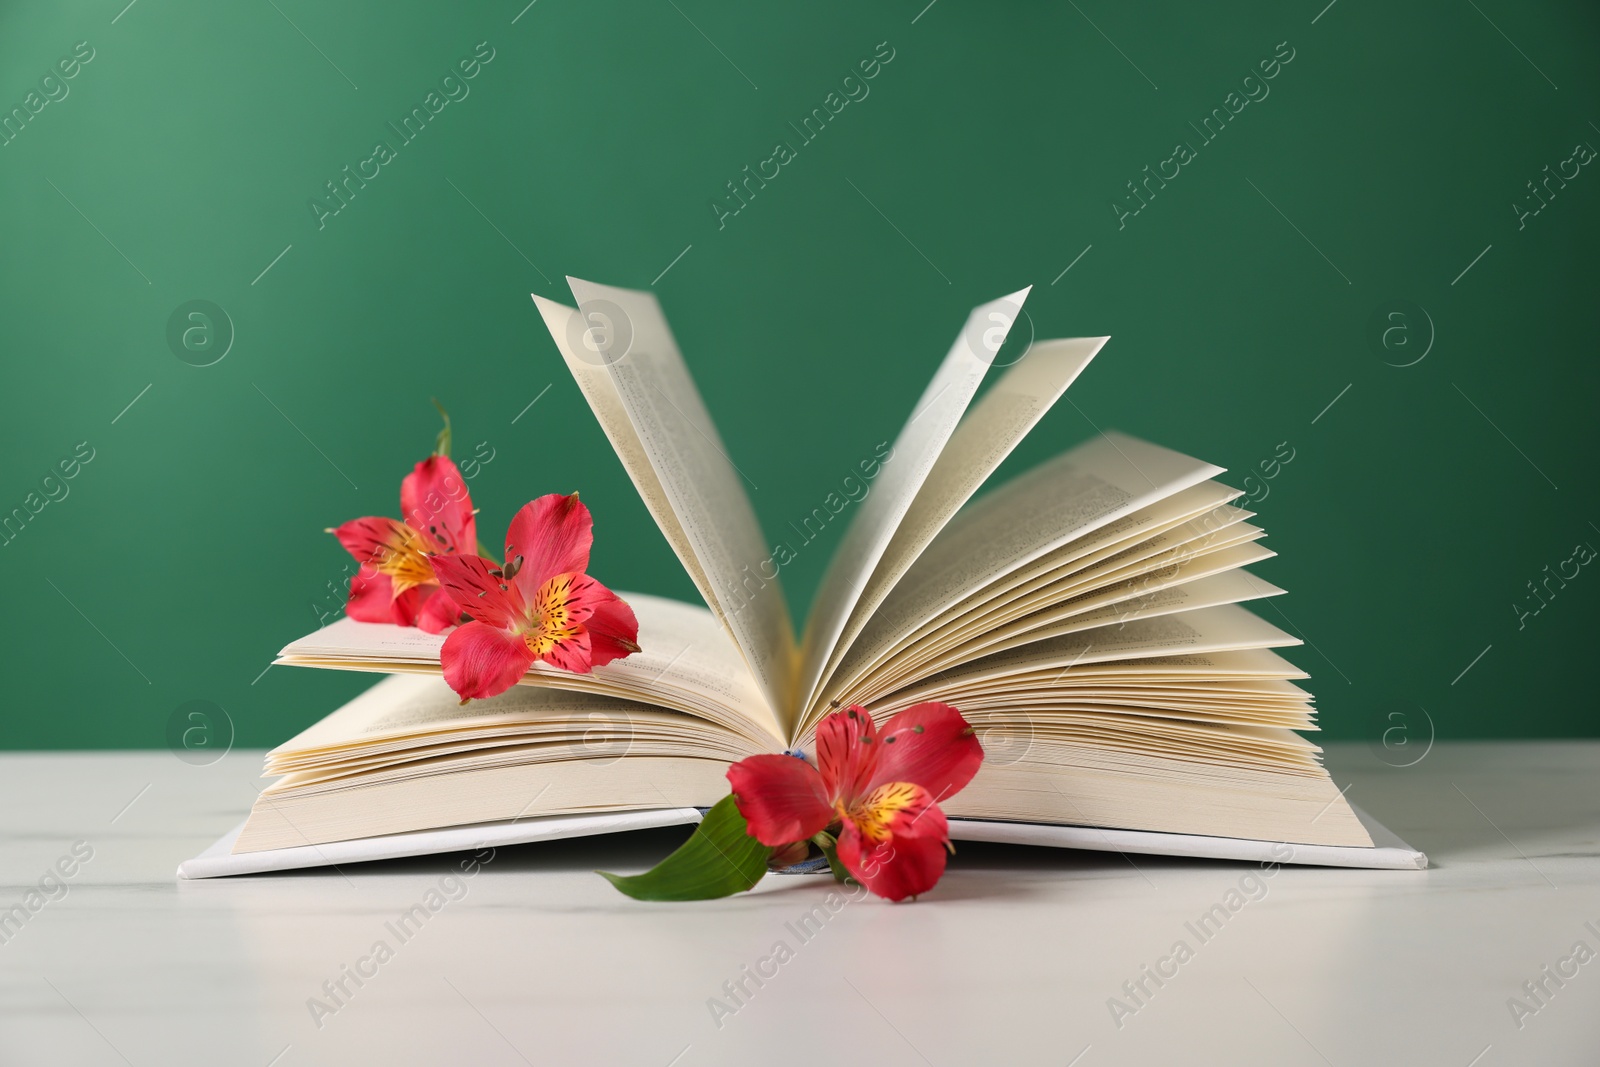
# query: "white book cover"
(219, 861)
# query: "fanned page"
(1224, 628)
(702, 487)
(916, 452)
(686, 663)
(1090, 566)
(1061, 501)
(587, 366)
(408, 718)
(984, 438)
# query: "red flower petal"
(372, 599)
(435, 503)
(781, 798)
(482, 661)
(567, 599)
(472, 582)
(390, 547)
(564, 649)
(893, 842)
(369, 538)
(930, 745)
(553, 535)
(554, 629)
(438, 611)
(613, 629)
(847, 752)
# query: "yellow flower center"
(549, 620)
(402, 558)
(873, 813)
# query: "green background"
(1385, 158)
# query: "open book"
(1085, 617)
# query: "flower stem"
(441, 443)
(829, 844)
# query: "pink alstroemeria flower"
(883, 788)
(539, 606)
(396, 581)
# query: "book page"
(452, 791)
(1210, 810)
(1068, 497)
(1046, 664)
(685, 662)
(984, 438)
(1212, 668)
(1202, 583)
(1029, 589)
(1147, 559)
(1003, 707)
(1084, 555)
(627, 333)
(594, 381)
(409, 717)
(916, 451)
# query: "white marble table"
(1012, 960)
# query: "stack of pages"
(1085, 616)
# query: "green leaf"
(718, 860)
(441, 444)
